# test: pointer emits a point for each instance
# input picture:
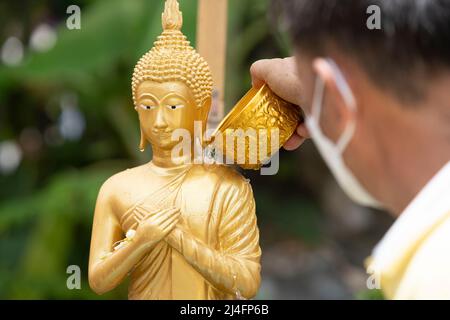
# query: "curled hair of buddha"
(172, 58)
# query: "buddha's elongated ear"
(143, 142)
(206, 107)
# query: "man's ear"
(339, 105)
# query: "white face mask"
(331, 153)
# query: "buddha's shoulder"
(222, 175)
(122, 179)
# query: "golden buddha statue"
(179, 230)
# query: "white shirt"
(412, 261)
(428, 207)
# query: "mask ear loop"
(349, 131)
(346, 137)
(349, 100)
(318, 99)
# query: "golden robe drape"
(214, 253)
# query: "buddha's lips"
(162, 133)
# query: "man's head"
(397, 75)
(412, 44)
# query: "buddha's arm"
(105, 273)
(235, 268)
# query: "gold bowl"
(256, 128)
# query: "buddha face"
(166, 107)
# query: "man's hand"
(282, 78)
(156, 226)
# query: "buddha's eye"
(175, 107)
(147, 107)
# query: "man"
(377, 106)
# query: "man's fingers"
(258, 72)
(294, 142)
(302, 131)
(280, 75)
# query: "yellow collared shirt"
(413, 259)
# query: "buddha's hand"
(156, 226)
(282, 77)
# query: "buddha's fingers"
(160, 216)
(140, 213)
(145, 210)
(169, 223)
(168, 227)
(172, 215)
(147, 213)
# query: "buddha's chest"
(194, 199)
(197, 210)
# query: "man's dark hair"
(412, 45)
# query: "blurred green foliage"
(46, 206)
(370, 295)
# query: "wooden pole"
(212, 45)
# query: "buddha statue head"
(172, 85)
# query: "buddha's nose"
(160, 122)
